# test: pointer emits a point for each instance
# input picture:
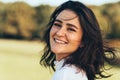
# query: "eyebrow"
(71, 25)
(58, 20)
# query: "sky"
(58, 2)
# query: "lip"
(60, 41)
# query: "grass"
(19, 60)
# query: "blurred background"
(22, 26)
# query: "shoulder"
(70, 72)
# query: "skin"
(65, 34)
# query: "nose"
(61, 32)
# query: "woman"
(74, 44)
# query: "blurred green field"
(19, 60)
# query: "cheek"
(79, 37)
(75, 37)
(52, 34)
(52, 31)
(75, 40)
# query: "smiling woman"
(66, 34)
(74, 45)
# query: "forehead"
(67, 15)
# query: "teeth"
(59, 41)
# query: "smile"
(59, 41)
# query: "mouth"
(60, 41)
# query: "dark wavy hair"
(92, 57)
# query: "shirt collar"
(59, 64)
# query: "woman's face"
(66, 34)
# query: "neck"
(60, 57)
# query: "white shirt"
(68, 72)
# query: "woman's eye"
(71, 29)
(57, 25)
